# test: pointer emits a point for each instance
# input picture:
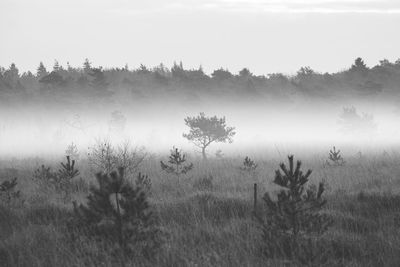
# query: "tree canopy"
(206, 130)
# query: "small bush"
(120, 214)
(104, 157)
(176, 164)
(65, 176)
(292, 221)
(63, 181)
(248, 165)
(8, 193)
(335, 159)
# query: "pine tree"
(8, 191)
(87, 66)
(335, 158)
(120, 213)
(56, 66)
(67, 170)
(176, 162)
(65, 176)
(99, 81)
(248, 165)
(291, 221)
(41, 71)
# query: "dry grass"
(214, 227)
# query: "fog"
(157, 126)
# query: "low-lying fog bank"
(261, 126)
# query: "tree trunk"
(203, 152)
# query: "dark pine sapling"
(65, 175)
(295, 217)
(120, 213)
(335, 159)
(248, 165)
(8, 191)
(176, 164)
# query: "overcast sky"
(264, 35)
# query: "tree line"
(90, 80)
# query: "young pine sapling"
(248, 165)
(294, 216)
(335, 159)
(176, 164)
(8, 191)
(120, 213)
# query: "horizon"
(325, 35)
(209, 72)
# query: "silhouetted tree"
(11, 78)
(87, 66)
(221, 74)
(335, 158)
(245, 73)
(176, 164)
(66, 173)
(359, 66)
(99, 81)
(143, 69)
(206, 130)
(117, 211)
(8, 191)
(56, 66)
(52, 81)
(178, 72)
(248, 165)
(41, 71)
(294, 216)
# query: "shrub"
(121, 214)
(292, 221)
(61, 181)
(335, 159)
(104, 157)
(66, 173)
(8, 192)
(176, 164)
(248, 165)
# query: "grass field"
(211, 224)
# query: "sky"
(266, 36)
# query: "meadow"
(207, 215)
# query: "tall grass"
(213, 226)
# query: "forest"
(61, 82)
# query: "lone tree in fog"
(205, 130)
